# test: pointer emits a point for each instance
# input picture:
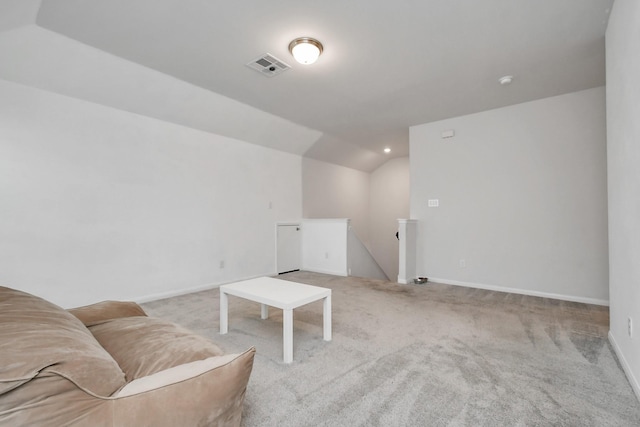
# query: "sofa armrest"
(212, 397)
(95, 314)
(173, 375)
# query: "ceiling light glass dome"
(305, 50)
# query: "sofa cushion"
(100, 312)
(39, 337)
(174, 375)
(213, 398)
(144, 345)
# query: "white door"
(289, 247)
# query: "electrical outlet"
(463, 263)
(221, 264)
(326, 255)
(630, 326)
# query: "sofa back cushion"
(40, 338)
(145, 345)
(106, 310)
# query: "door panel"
(289, 248)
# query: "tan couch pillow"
(106, 310)
(38, 336)
(145, 345)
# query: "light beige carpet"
(422, 355)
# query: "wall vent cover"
(268, 65)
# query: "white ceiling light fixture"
(505, 80)
(387, 150)
(305, 50)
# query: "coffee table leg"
(224, 312)
(264, 311)
(287, 335)
(326, 316)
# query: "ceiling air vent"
(268, 65)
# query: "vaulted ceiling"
(387, 65)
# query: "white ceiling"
(387, 65)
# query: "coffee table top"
(275, 292)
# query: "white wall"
(373, 201)
(623, 154)
(324, 245)
(389, 202)
(360, 262)
(332, 191)
(98, 203)
(523, 198)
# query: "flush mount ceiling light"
(387, 150)
(506, 80)
(305, 50)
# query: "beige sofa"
(109, 364)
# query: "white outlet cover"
(434, 203)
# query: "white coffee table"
(280, 294)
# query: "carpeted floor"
(421, 355)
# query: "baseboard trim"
(199, 288)
(633, 381)
(318, 270)
(562, 297)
